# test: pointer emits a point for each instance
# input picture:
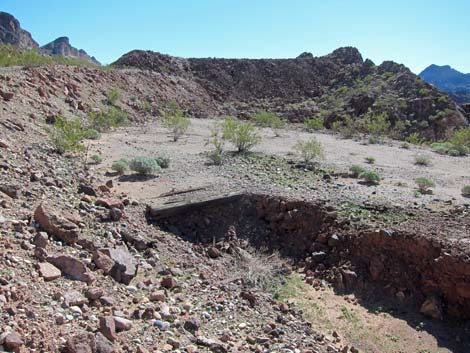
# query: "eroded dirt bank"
(410, 266)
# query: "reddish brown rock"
(157, 296)
(168, 282)
(213, 252)
(71, 267)
(55, 224)
(48, 271)
(103, 261)
(110, 203)
(14, 191)
(103, 345)
(82, 342)
(125, 265)
(108, 327)
(94, 293)
(13, 342)
(73, 297)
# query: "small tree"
(217, 155)
(67, 135)
(242, 135)
(175, 121)
(310, 150)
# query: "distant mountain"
(61, 46)
(11, 33)
(449, 80)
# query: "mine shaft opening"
(413, 270)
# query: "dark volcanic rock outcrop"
(337, 86)
(61, 46)
(12, 33)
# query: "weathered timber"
(179, 208)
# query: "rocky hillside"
(11, 33)
(449, 80)
(61, 46)
(337, 86)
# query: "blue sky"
(414, 32)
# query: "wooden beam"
(182, 207)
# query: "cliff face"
(61, 46)
(338, 86)
(12, 33)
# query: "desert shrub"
(96, 158)
(144, 165)
(370, 177)
(176, 122)
(255, 268)
(106, 119)
(466, 191)
(310, 150)
(345, 128)
(450, 149)
(378, 126)
(217, 155)
(356, 170)
(414, 139)
(93, 134)
(369, 160)
(120, 166)
(113, 96)
(67, 135)
(422, 160)
(461, 137)
(315, 122)
(242, 135)
(163, 162)
(424, 184)
(263, 118)
(146, 106)
(12, 56)
(405, 145)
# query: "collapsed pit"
(412, 268)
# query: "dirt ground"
(190, 167)
(368, 329)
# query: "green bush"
(424, 184)
(120, 166)
(461, 137)
(450, 149)
(466, 191)
(378, 126)
(242, 135)
(144, 165)
(104, 120)
(310, 150)
(370, 177)
(345, 127)
(314, 123)
(422, 160)
(146, 106)
(356, 170)
(67, 135)
(113, 96)
(96, 158)
(217, 155)
(414, 139)
(370, 160)
(163, 162)
(263, 118)
(175, 121)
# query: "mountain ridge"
(449, 80)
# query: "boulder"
(82, 342)
(54, 223)
(432, 307)
(108, 328)
(103, 345)
(125, 265)
(13, 191)
(73, 298)
(71, 267)
(48, 271)
(110, 203)
(13, 342)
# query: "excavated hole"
(407, 269)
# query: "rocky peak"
(61, 46)
(346, 56)
(12, 33)
(305, 55)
